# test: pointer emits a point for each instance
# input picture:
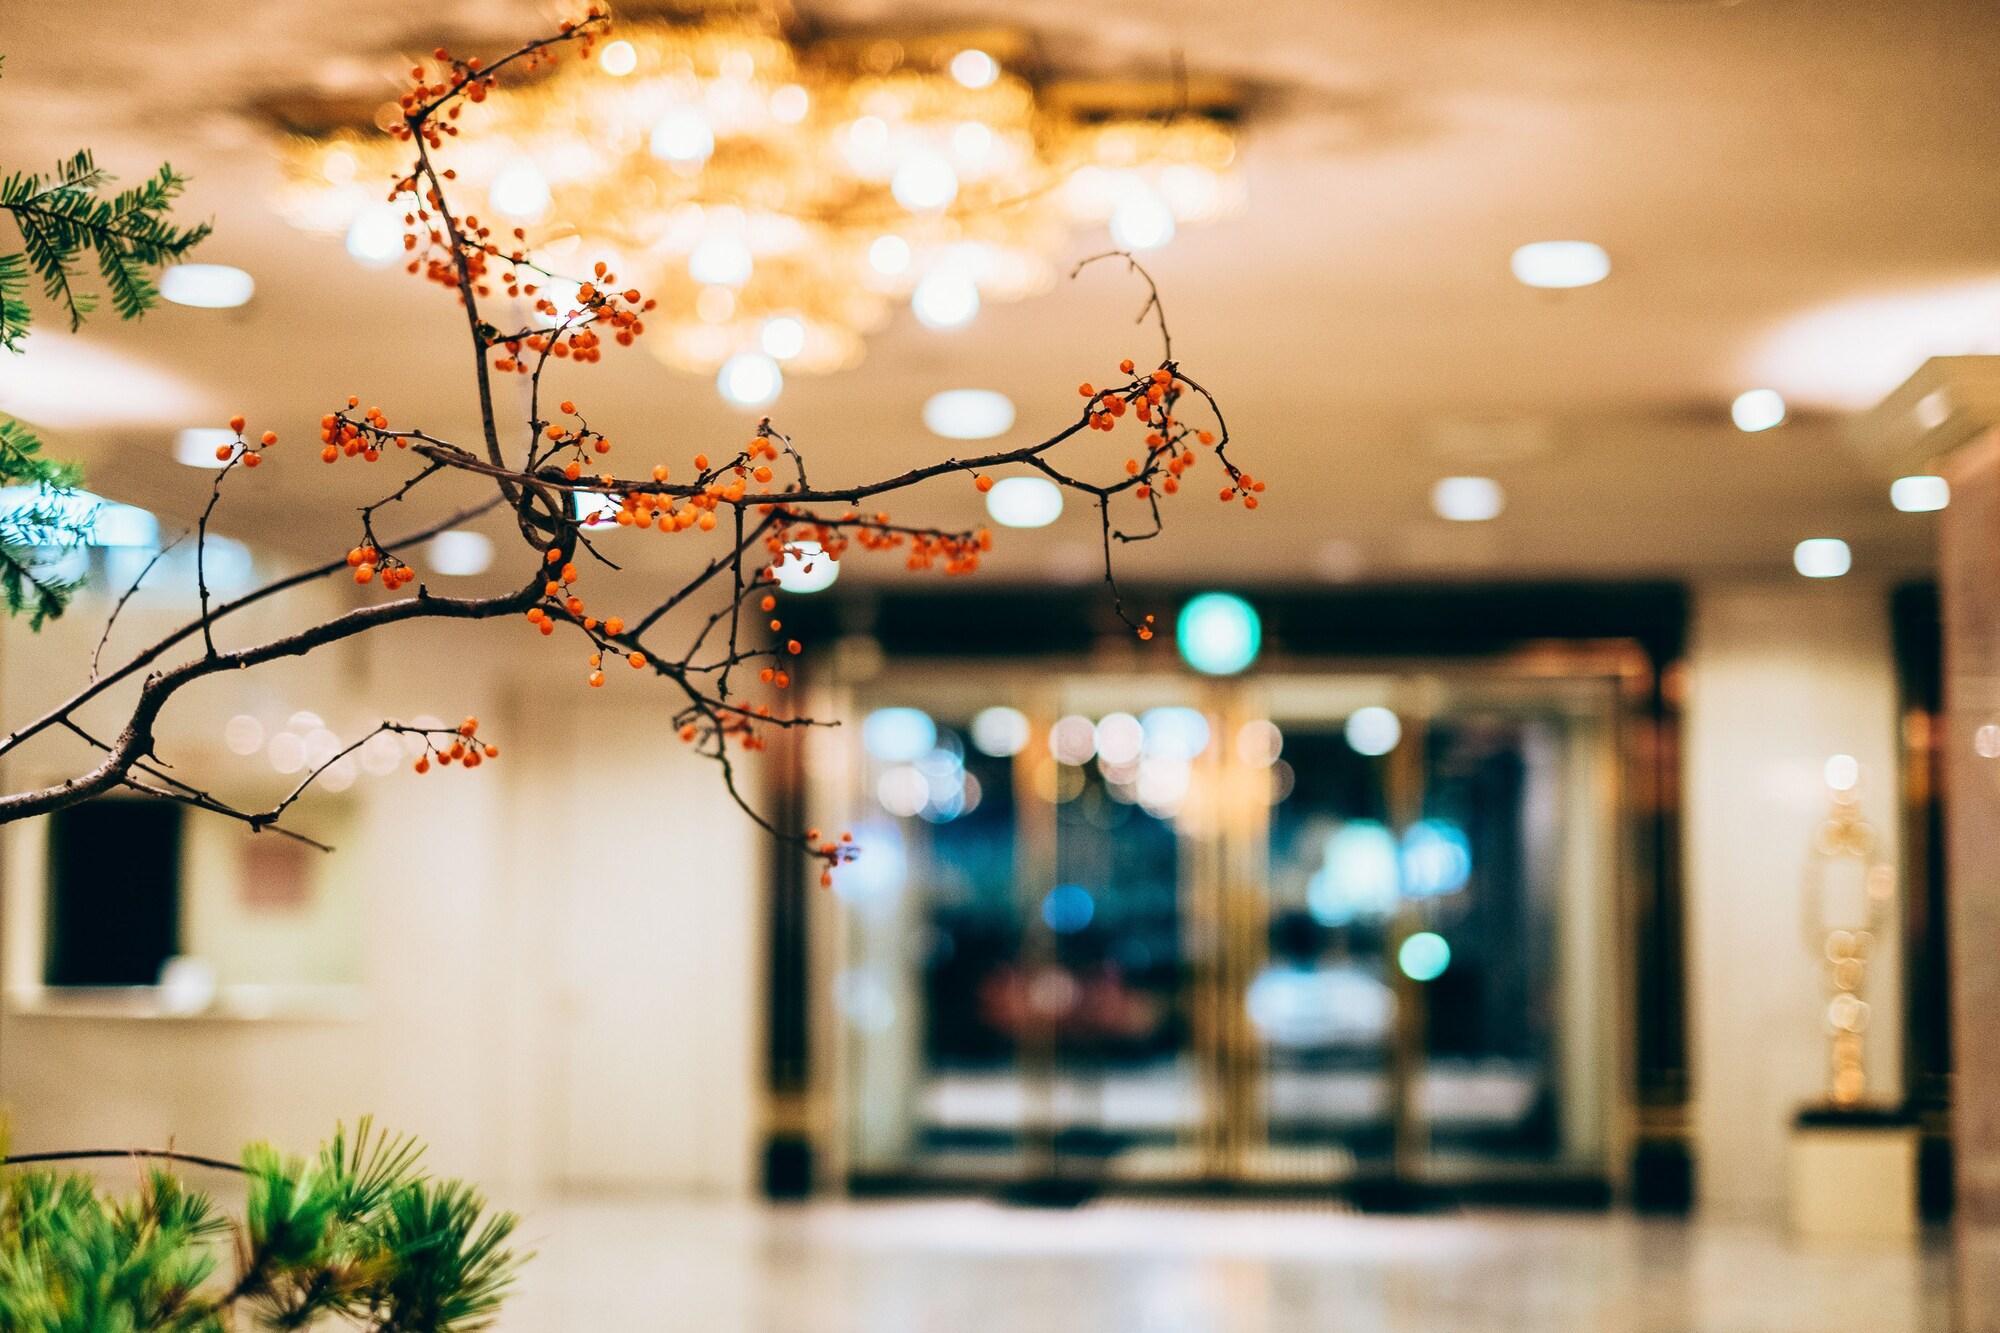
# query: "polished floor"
(974, 1267)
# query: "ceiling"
(1793, 193)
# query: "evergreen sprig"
(53, 517)
(355, 1236)
(62, 216)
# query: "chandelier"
(783, 196)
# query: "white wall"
(557, 954)
(1779, 677)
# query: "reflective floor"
(967, 1267)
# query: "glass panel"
(1322, 1007)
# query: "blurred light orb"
(618, 59)
(898, 735)
(1068, 908)
(1919, 494)
(207, 286)
(783, 337)
(1842, 772)
(196, 446)
(806, 567)
(973, 68)
(1558, 265)
(1118, 738)
(1142, 221)
(1468, 499)
(1758, 410)
(1219, 633)
(902, 790)
(375, 236)
(789, 104)
(1822, 557)
(1024, 502)
(1424, 956)
(1073, 740)
(1174, 732)
(1000, 731)
(945, 300)
(721, 261)
(458, 553)
(520, 190)
(1436, 858)
(1373, 730)
(924, 183)
(1259, 742)
(750, 380)
(682, 136)
(243, 734)
(889, 255)
(969, 414)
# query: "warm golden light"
(747, 178)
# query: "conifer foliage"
(354, 1237)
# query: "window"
(114, 892)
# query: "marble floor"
(1133, 1267)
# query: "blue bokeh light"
(1219, 633)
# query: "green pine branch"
(354, 1237)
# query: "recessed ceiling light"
(210, 286)
(969, 414)
(1758, 409)
(1822, 557)
(460, 554)
(196, 446)
(1468, 499)
(945, 300)
(806, 567)
(1920, 494)
(750, 379)
(1024, 502)
(1561, 264)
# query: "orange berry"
(1125, 366)
(614, 626)
(1084, 390)
(568, 407)
(269, 437)
(252, 460)
(983, 483)
(636, 658)
(794, 647)
(236, 423)
(596, 680)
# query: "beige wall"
(553, 959)
(1779, 677)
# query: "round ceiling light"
(1468, 499)
(1822, 557)
(1024, 502)
(1561, 264)
(969, 414)
(806, 568)
(1920, 494)
(1219, 633)
(945, 300)
(209, 286)
(1758, 409)
(750, 379)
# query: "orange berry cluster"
(772, 675)
(463, 750)
(367, 562)
(573, 338)
(582, 440)
(832, 852)
(341, 436)
(250, 455)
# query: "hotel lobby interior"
(778, 666)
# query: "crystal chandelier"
(782, 196)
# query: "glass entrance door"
(1306, 929)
